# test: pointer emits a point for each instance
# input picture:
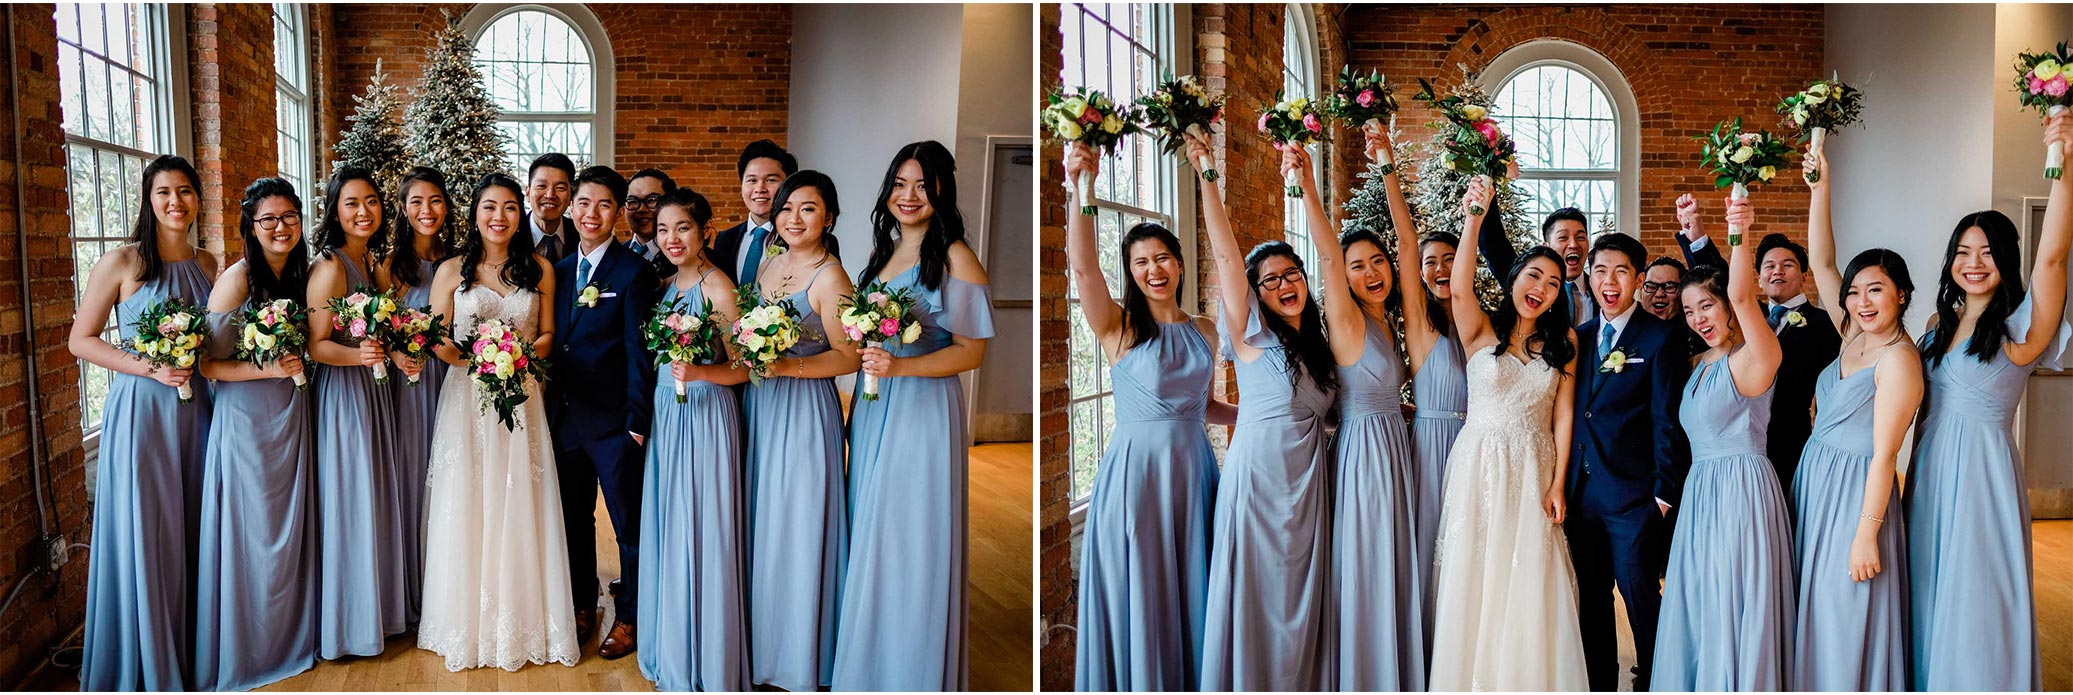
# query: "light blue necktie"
(582, 273)
(748, 269)
(1605, 341)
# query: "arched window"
(1299, 77)
(549, 69)
(1575, 121)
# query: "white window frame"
(1299, 73)
(1174, 193)
(1625, 111)
(293, 116)
(166, 25)
(602, 70)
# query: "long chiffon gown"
(694, 634)
(798, 518)
(147, 514)
(416, 405)
(1727, 609)
(361, 590)
(1144, 552)
(1848, 635)
(254, 620)
(1440, 390)
(1375, 627)
(1270, 530)
(1974, 613)
(902, 614)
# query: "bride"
(1505, 612)
(496, 558)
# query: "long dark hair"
(261, 285)
(145, 232)
(403, 257)
(331, 232)
(946, 225)
(1992, 329)
(1437, 311)
(830, 207)
(520, 269)
(1393, 303)
(1550, 337)
(1895, 268)
(1137, 310)
(695, 205)
(1304, 346)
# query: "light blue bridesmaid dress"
(1375, 626)
(147, 514)
(692, 578)
(1726, 622)
(798, 518)
(1440, 389)
(255, 619)
(1968, 513)
(360, 584)
(1270, 530)
(1848, 635)
(1144, 552)
(902, 606)
(415, 408)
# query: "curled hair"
(830, 207)
(1304, 347)
(1550, 336)
(331, 232)
(1991, 331)
(1894, 266)
(946, 225)
(403, 254)
(145, 232)
(1436, 309)
(261, 285)
(1137, 310)
(520, 269)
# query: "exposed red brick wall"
(49, 607)
(231, 79)
(1057, 588)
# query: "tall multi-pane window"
(116, 98)
(1568, 138)
(1299, 78)
(291, 97)
(1122, 50)
(540, 71)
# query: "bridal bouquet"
(1361, 100)
(875, 315)
(1741, 160)
(1474, 144)
(273, 330)
(676, 334)
(414, 331)
(1823, 106)
(766, 330)
(1182, 105)
(2040, 83)
(501, 361)
(170, 333)
(1091, 117)
(360, 316)
(1293, 123)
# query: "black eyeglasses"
(1274, 282)
(269, 222)
(1656, 287)
(648, 203)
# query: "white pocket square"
(607, 295)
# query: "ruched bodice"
(1441, 387)
(812, 339)
(942, 311)
(1166, 377)
(1265, 395)
(1374, 385)
(1842, 417)
(1718, 419)
(183, 280)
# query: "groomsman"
(547, 189)
(1662, 288)
(739, 249)
(598, 397)
(643, 193)
(1567, 232)
(1805, 333)
(1627, 463)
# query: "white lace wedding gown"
(1505, 608)
(496, 557)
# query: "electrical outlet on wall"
(56, 552)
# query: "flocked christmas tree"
(451, 124)
(375, 140)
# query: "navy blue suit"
(1627, 451)
(601, 389)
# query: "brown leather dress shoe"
(586, 625)
(618, 643)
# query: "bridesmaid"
(408, 273)
(1968, 508)
(360, 581)
(1144, 562)
(148, 494)
(1728, 600)
(1851, 629)
(799, 522)
(692, 610)
(904, 628)
(1269, 530)
(1374, 622)
(254, 622)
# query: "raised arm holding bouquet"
(1292, 123)
(1087, 116)
(1182, 105)
(271, 331)
(1364, 100)
(2040, 82)
(170, 334)
(1742, 159)
(1823, 106)
(1475, 145)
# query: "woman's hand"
(1081, 159)
(1198, 151)
(1377, 145)
(1553, 503)
(286, 366)
(2056, 131)
(1816, 161)
(1864, 554)
(1475, 202)
(681, 372)
(371, 353)
(411, 366)
(1296, 159)
(1740, 214)
(172, 377)
(877, 362)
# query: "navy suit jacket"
(555, 247)
(726, 250)
(602, 379)
(1626, 422)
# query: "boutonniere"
(593, 292)
(1794, 319)
(1616, 361)
(773, 250)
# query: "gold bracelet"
(1873, 519)
(801, 361)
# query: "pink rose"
(519, 362)
(1488, 129)
(2056, 86)
(889, 327)
(486, 368)
(1749, 139)
(1263, 121)
(2036, 85)
(876, 298)
(854, 334)
(1090, 117)
(1311, 122)
(358, 329)
(1366, 98)
(269, 318)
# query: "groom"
(1628, 460)
(599, 398)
